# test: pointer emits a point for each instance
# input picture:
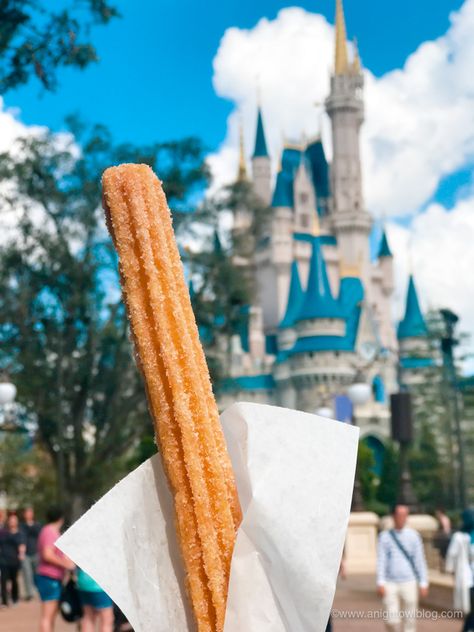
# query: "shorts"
(95, 599)
(49, 589)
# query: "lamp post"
(402, 431)
(359, 393)
(448, 342)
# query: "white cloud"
(419, 120)
(12, 129)
(287, 60)
(439, 244)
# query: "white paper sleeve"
(295, 474)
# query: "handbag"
(70, 605)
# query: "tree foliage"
(26, 475)
(36, 39)
(428, 471)
(63, 331)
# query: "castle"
(322, 315)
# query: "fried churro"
(179, 390)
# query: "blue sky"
(154, 80)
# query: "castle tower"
(261, 167)
(242, 215)
(415, 353)
(304, 199)
(242, 170)
(385, 265)
(286, 331)
(317, 358)
(345, 107)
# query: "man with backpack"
(401, 572)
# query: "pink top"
(47, 537)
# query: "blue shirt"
(86, 583)
(392, 565)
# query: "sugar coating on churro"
(179, 390)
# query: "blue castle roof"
(295, 298)
(384, 250)
(413, 324)
(318, 300)
(318, 170)
(350, 300)
(283, 193)
(260, 150)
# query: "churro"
(180, 397)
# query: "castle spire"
(413, 324)
(242, 171)
(341, 65)
(318, 301)
(260, 142)
(384, 248)
(295, 298)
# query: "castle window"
(304, 197)
(304, 220)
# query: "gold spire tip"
(242, 171)
(341, 65)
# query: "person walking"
(52, 566)
(31, 530)
(401, 572)
(12, 552)
(96, 604)
(460, 561)
(443, 520)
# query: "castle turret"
(319, 302)
(345, 107)
(304, 196)
(261, 167)
(243, 216)
(383, 274)
(242, 170)
(385, 258)
(413, 324)
(286, 333)
(415, 352)
(321, 336)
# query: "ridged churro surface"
(177, 380)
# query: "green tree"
(36, 40)
(365, 472)
(387, 490)
(63, 331)
(427, 471)
(26, 475)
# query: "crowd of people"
(28, 548)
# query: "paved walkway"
(357, 594)
(25, 617)
(354, 594)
